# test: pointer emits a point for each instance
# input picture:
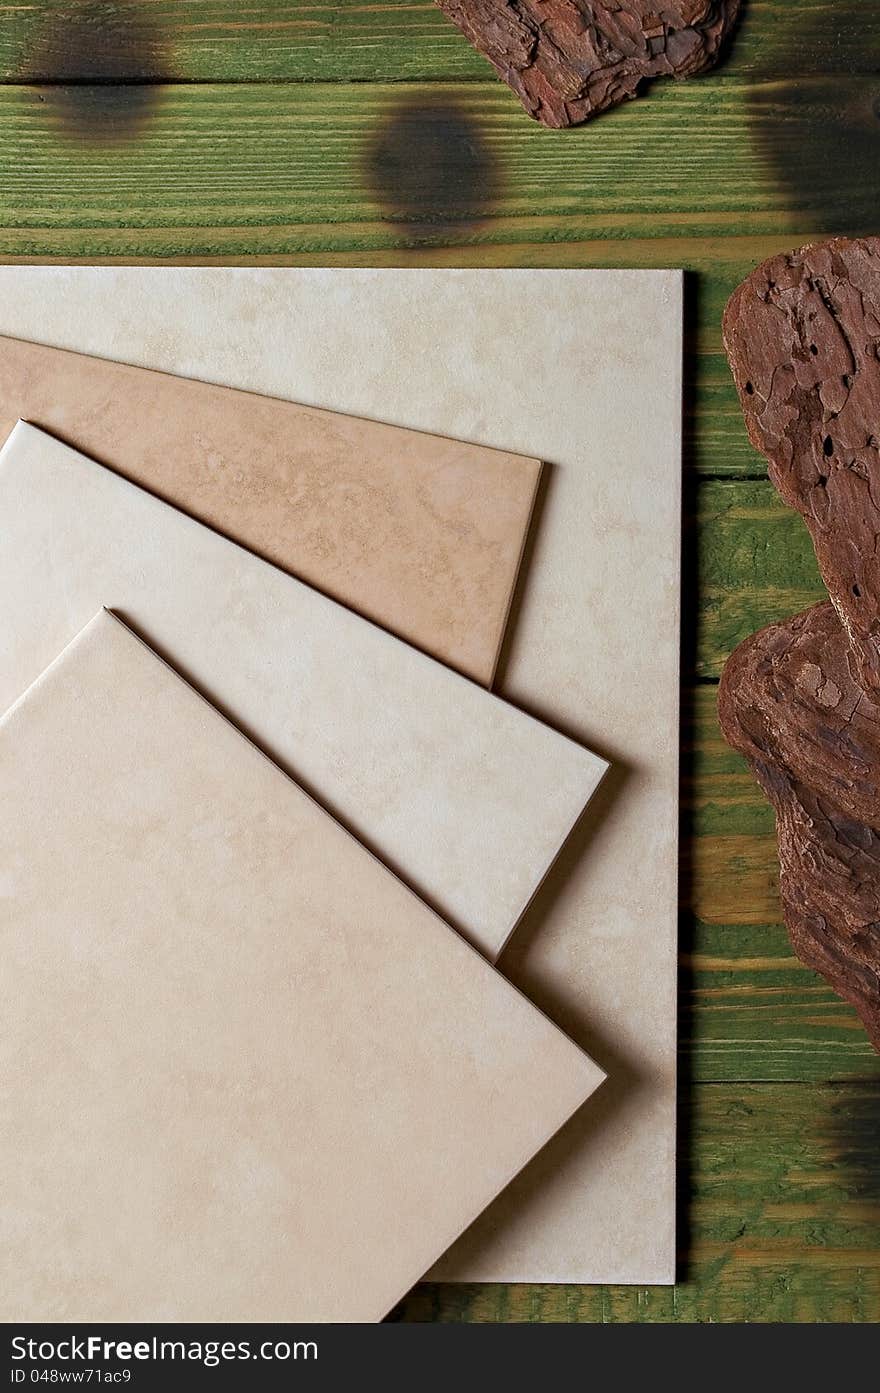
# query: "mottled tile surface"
(420, 533)
(464, 795)
(248, 1074)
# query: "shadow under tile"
(566, 1154)
(542, 493)
(571, 855)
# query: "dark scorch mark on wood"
(820, 137)
(428, 166)
(99, 63)
(853, 1130)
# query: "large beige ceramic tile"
(581, 368)
(247, 1075)
(421, 534)
(464, 795)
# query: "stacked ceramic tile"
(265, 828)
(290, 1083)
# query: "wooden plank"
(303, 40)
(226, 41)
(755, 564)
(732, 880)
(729, 871)
(797, 37)
(729, 867)
(750, 1011)
(720, 796)
(242, 169)
(782, 1223)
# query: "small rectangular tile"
(249, 1075)
(462, 794)
(420, 533)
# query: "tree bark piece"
(799, 695)
(803, 337)
(568, 60)
(790, 702)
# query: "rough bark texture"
(567, 60)
(803, 337)
(789, 701)
(801, 699)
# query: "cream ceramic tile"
(464, 795)
(581, 368)
(421, 534)
(247, 1075)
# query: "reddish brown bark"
(801, 699)
(803, 338)
(790, 703)
(568, 60)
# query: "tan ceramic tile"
(581, 368)
(463, 794)
(248, 1075)
(421, 534)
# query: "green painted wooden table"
(369, 133)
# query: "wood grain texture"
(754, 562)
(358, 41)
(327, 167)
(230, 170)
(749, 1009)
